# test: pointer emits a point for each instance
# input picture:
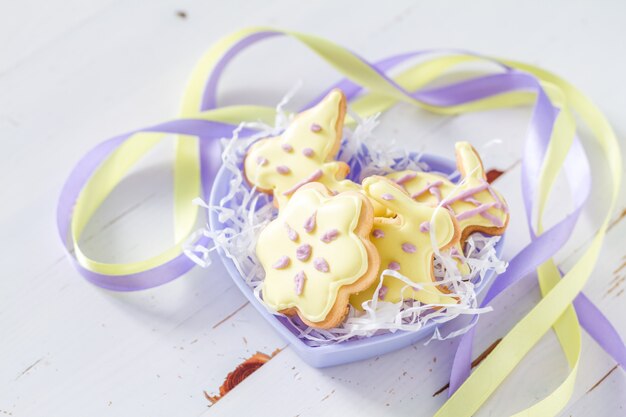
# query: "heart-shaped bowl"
(347, 351)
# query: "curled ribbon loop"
(551, 146)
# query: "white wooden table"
(73, 73)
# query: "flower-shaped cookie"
(304, 153)
(404, 244)
(317, 253)
(476, 205)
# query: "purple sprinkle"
(287, 147)
(424, 227)
(427, 188)
(316, 128)
(308, 152)
(281, 263)
(303, 253)
(330, 236)
(408, 247)
(299, 281)
(387, 197)
(378, 234)
(473, 201)
(405, 178)
(394, 266)
(309, 224)
(500, 204)
(321, 265)
(437, 193)
(467, 193)
(382, 292)
(293, 235)
(493, 219)
(261, 161)
(283, 169)
(313, 177)
(473, 212)
(455, 253)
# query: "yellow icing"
(328, 114)
(346, 255)
(405, 228)
(470, 166)
(299, 135)
(338, 186)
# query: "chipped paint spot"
(622, 266)
(327, 396)
(493, 174)
(475, 363)
(241, 372)
(615, 284)
(28, 368)
(231, 314)
(619, 218)
(602, 379)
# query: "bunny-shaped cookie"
(404, 243)
(303, 153)
(474, 202)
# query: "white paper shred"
(244, 212)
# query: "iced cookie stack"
(333, 238)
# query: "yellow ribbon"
(554, 310)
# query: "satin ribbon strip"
(550, 145)
(103, 167)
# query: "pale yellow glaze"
(471, 168)
(338, 186)
(328, 115)
(405, 229)
(346, 255)
(324, 143)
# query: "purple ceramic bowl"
(344, 352)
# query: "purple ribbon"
(209, 132)
(540, 249)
